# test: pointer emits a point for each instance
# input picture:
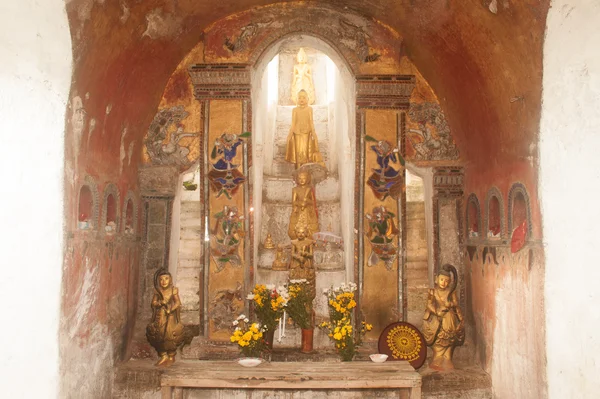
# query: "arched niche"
(87, 205)
(110, 209)
(519, 210)
(473, 218)
(130, 214)
(494, 215)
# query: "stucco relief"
(428, 133)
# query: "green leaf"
(245, 134)
(401, 159)
(370, 138)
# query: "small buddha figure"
(302, 146)
(165, 331)
(269, 242)
(443, 322)
(302, 79)
(280, 263)
(301, 263)
(304, 205)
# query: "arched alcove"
(110, 210)
(473, 218)
(130, 214)
(494, 215)
(519, 210)
(87, 205)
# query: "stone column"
(381, 103)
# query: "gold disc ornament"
(403, 341)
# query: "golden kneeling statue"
(165, 331)
(301, 263)
(443, 322)
(302, 146)
(304, 206)
(280, 263)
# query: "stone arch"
(111, 189)
(473, 203)
(519, 188)
(494, 192)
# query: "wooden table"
(290, 376)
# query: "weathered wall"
(35, 76)
(569, 179)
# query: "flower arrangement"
(347, 339)
(248, 336)
(299, 304)
(269, 304)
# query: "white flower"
(250, 296)
(270, 287)
(246, 320)
(235, 322)
(241, 317)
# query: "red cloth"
(518, 237)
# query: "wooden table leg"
(166, 392)
(178, 393)
(415, 393)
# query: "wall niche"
(519, 212)
(110, 210)
(473, 218)
(87, 205)
(495, 215)
(130, 216)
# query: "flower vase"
(307, 340)
(346, 356)
(269, 336)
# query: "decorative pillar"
(380, 216)
(226, 222)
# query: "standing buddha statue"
(302, 146)
(302, 79)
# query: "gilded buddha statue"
(165, 331)
(302, 146)
(301, 263)
(304, 206)
(443, 322)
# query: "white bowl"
(250, 361)
(378, 357)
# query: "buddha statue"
(165, 331)
(302, 79)
(443, 322)
(302, 146)
(301, 263)
(269, 242)
(304, 206)
(280, 263)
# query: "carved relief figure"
(443, 322)
(226, 237)
(281, 262)
(302, 146)
(165, 331)
(224, 306)
(224, 176)
(301, 263)
(427, 145)
(172, 152)
(304, 206)
(357, 34)
(302, 79)
(385, 180)
(382, 235)
(247, 33)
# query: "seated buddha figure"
(304, 206)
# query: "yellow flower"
(247, 336)
(337, 336)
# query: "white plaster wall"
(35, 77)
(569, 186)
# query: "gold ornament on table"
(302, 146)
(304, 206)
(443, 322)
(165, 331)
(269, 242)
(302, 79)
(280, 263)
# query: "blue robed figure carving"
(385, 181)
(224, 176)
